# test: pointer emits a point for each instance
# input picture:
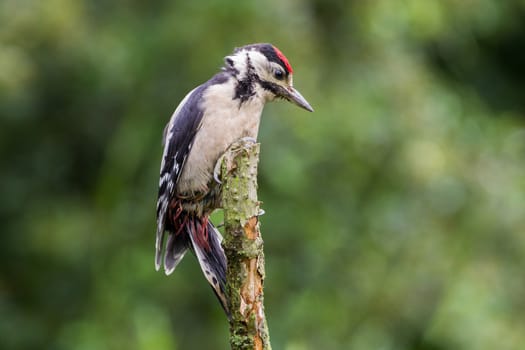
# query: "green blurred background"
(395, 214)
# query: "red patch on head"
(283, 58)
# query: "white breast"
(224, 121)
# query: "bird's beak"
(294, 96)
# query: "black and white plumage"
(209, 119)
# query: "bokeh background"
(395, 214)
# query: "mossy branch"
(243, 246)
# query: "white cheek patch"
(240, 62)
(259, 62)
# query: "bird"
(210, 118)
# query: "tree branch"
(243, 247)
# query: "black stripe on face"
(245, 88)
(275, 89)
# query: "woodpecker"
(209, 119)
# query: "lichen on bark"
(243, 247)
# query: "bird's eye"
(278, 74)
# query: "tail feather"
(158, 248)
(176, 248)
(211, 258)
(199, 235)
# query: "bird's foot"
(217, 170)
(242, 143)
(235, 146)
(248, 139)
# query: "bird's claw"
(243, 143)
(240, 143)
(217, 170)
(248, 139)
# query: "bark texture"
(243, 246)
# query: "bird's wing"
(178, 138)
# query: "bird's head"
(263, 70)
